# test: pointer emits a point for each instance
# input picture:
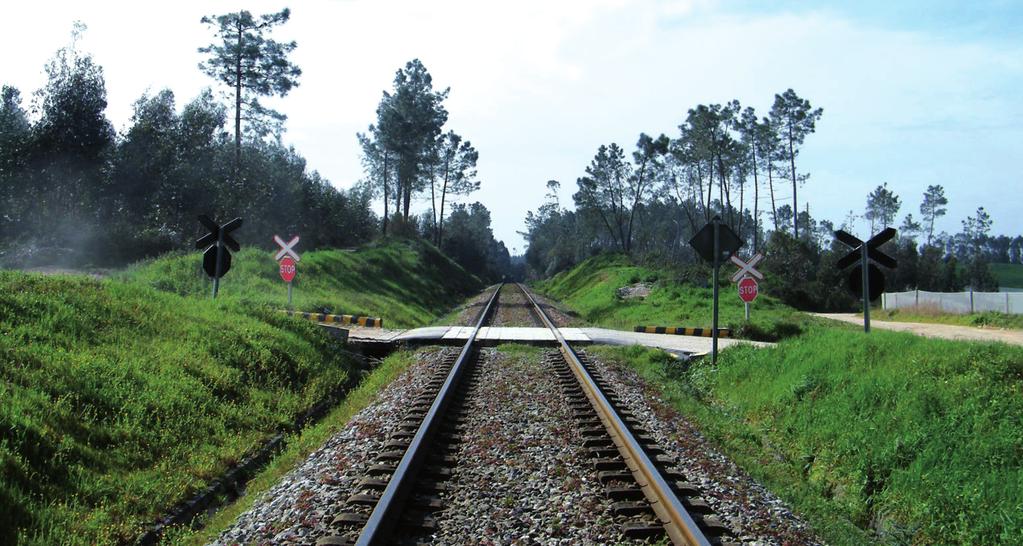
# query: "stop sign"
(287, 269)
(748, 289)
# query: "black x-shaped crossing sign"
(216, 260)
(866, 279)
(872, 248)
(214, 234)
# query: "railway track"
(400, 497)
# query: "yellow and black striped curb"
(701, 332)
(373, 322)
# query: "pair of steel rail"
(678, 524)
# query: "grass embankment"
(406, 283)
(987, 319)
(888, 438)
(298, 449)
(120, 398)
(590, 290)
(914, 439)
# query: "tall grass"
(590, 289)
(121, 397)
(904, 439)
(405, 282)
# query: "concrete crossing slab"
(688, 345)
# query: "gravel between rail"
(523, 476)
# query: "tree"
(771, 151)
(70, 143)
(457, 172)
(252, 65)
(752, 132)
(794, 118)
(910, 228)
(976, 229)
(932, 208)
(975, 232)
(882, 206)
(409, 120)
(14, 137)
(605, 191)
(378, 165)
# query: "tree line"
(409, 155)
(728, 161)
(74, 190)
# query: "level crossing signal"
(746, 269)
(866, 280)
(216, 259)
(715, 242)
(287, 249)
(287, 258)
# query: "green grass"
(589, 289)
(1008, 275)
(407, 283)
(990, 319)
(121, 397)
(889, 437)
(300, 446)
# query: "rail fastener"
(699, 332)
(371, 322)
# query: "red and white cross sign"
(287, 249)
(746, 268)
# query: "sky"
(914, 93)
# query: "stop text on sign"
(288, 269)
(748, 289)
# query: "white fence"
(956, 302)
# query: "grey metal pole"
(866, 289)
(220, 250)
(747, 312)
(289, 295)
(714, 328)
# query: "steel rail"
(678, 523)
(384, 518)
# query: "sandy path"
(945, 331)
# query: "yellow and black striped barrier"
(701, 332)
(372, 322)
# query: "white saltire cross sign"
(746, 269)
(286, 248)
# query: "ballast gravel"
(523, 476)
(757, 516)
(513, 309)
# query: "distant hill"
(1008, 275)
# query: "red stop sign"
(287, 269)
(748, 289)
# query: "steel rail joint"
(678, 524)
(381, 521)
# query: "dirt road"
(946, 331)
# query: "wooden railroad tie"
(701, 332)
(372, 322)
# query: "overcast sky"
(914, 93)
